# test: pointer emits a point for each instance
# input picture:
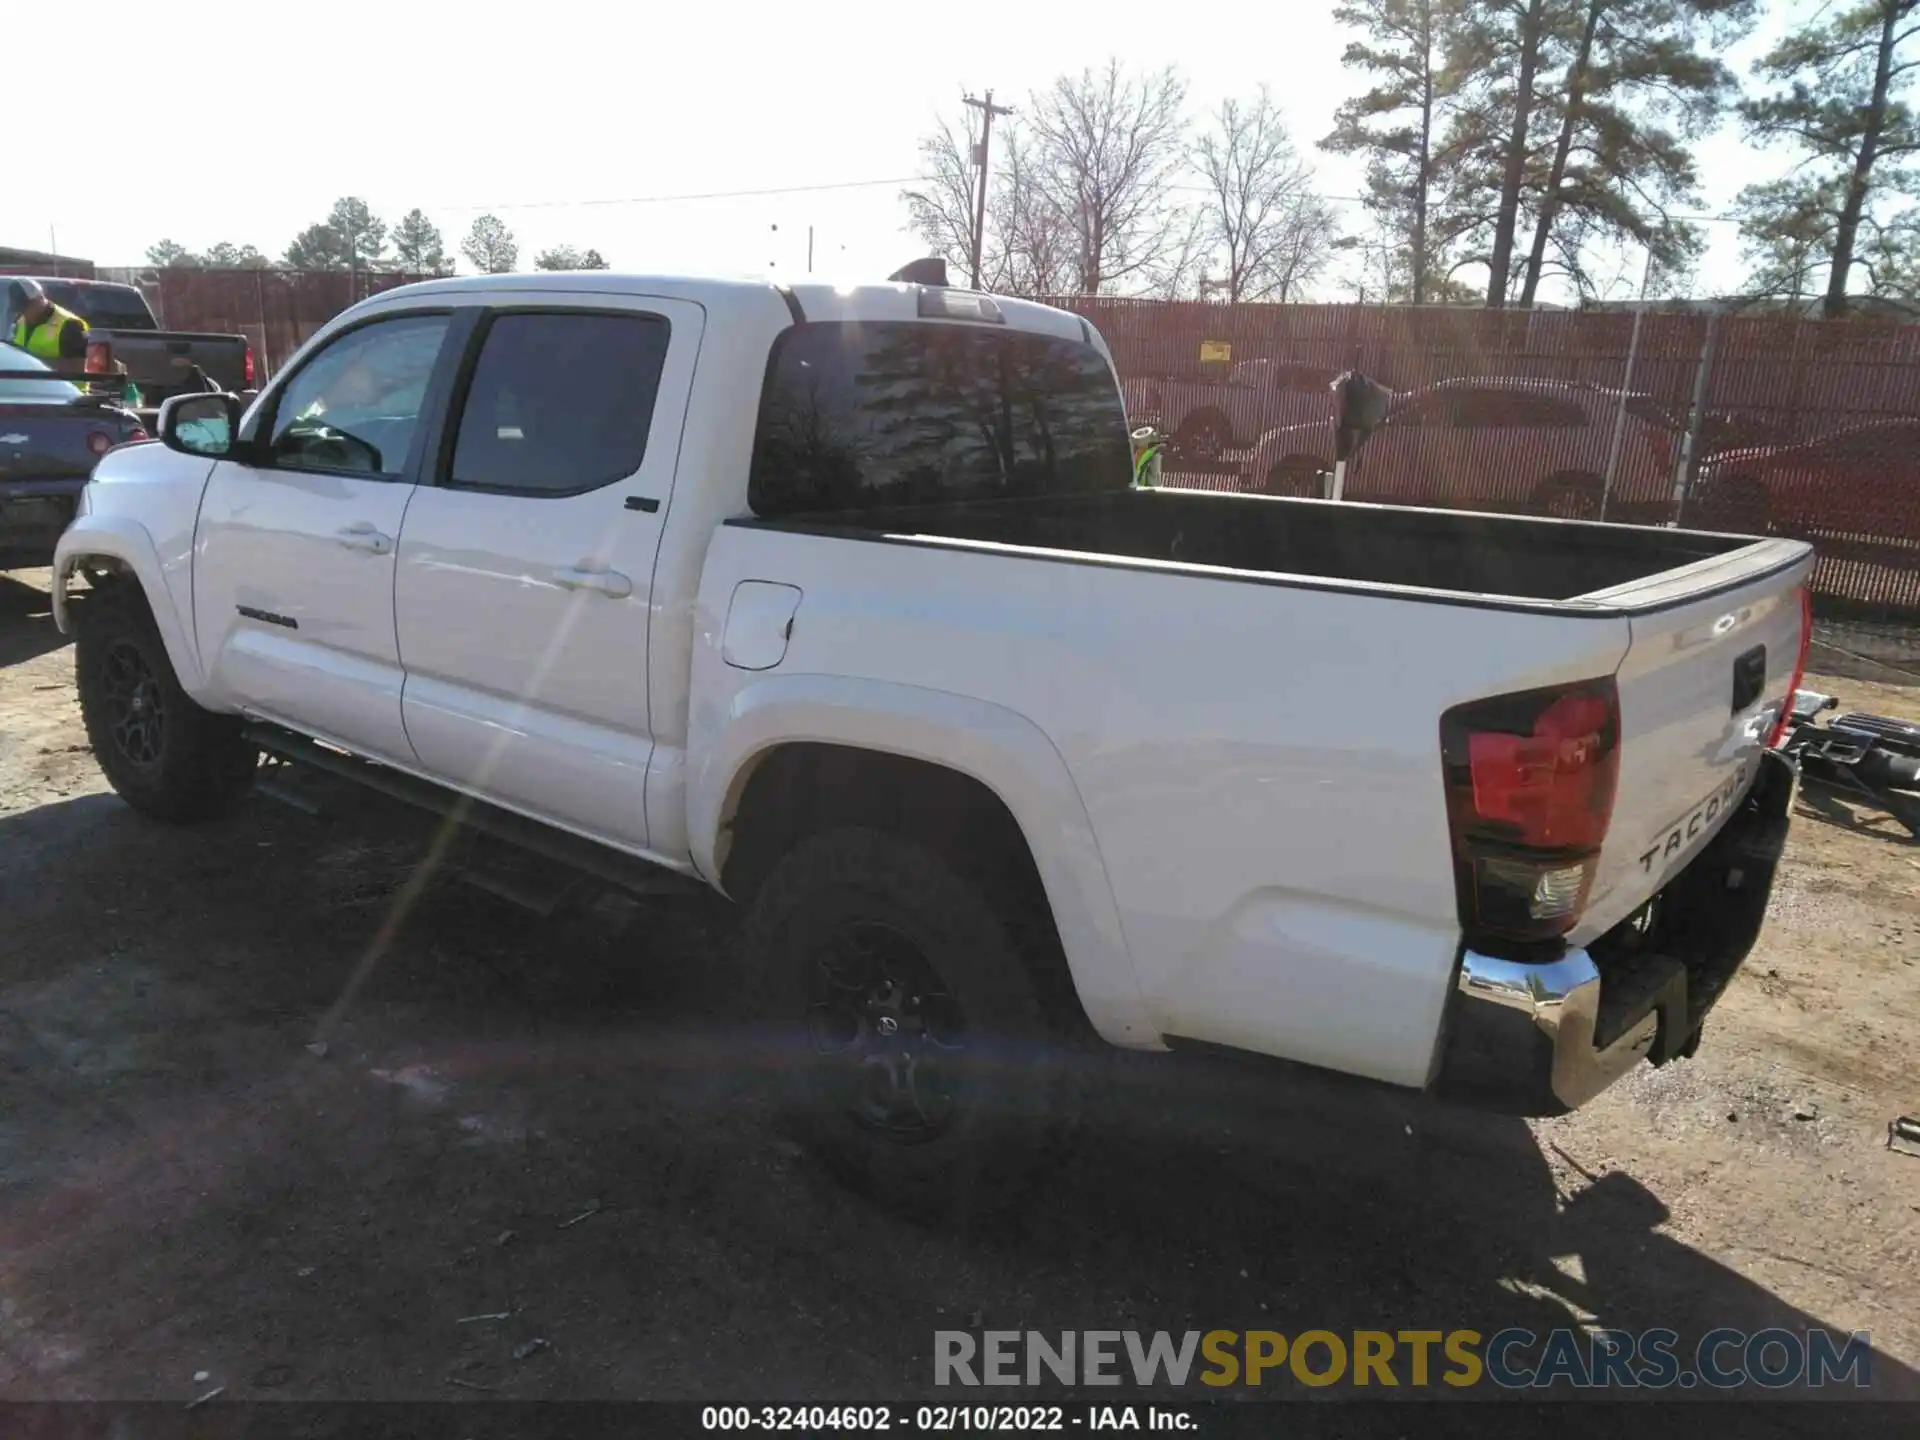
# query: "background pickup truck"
(860, 619)
(160, 362)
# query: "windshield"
(50, 391)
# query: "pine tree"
(490, 247)
(417, 246)
(1397, 123)
(1837, 98)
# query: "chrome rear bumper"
(1542, 1036)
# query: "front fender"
(1001, 749)
(125, 540)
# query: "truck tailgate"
(1710, 664)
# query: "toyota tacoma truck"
(843, 602)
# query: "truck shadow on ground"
(563, 1125)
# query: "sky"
(591, 128)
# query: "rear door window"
(860, 416)
(560, 403)
(1515, 410)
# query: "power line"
(676, 199)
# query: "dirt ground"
(185, 1188)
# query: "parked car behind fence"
(1470, 444)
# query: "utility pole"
(987, 111)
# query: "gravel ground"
(185, 1188)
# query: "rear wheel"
(924, 1065)
(1203, 435)
(163, 754)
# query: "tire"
(1569, 497)
(1203, 434)
(954, 1110)
(163, 754)
(1300, 476)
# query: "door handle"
(364, 537)
(605, 582)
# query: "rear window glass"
(111, 307)
(858, 416)
(1512, 410)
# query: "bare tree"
(940, 209)
(1031, 242)
(1107, 146)
(1262, 221)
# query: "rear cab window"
(858, 416)
(111, 307)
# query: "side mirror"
(203, 425)
(1359, 407)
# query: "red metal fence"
(275, 309)
(1758, 424)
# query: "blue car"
(51, 433)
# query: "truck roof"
(73, 280)
(810, 300)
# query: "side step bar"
(622, 871)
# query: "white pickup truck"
(844, 602)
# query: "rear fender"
(1001, 749)
(129, 547)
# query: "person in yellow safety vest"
(53, 333)
(43, 329)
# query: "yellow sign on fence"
(1216, 350)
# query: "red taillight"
(137, 433)
(99, 442)
(99, 357)
(1799, 666)
(247, 370)
(1530, 784)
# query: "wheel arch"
(813, 737)
(122, 546)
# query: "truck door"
(525, 580)
(294, 563)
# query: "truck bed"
(1460, 552)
